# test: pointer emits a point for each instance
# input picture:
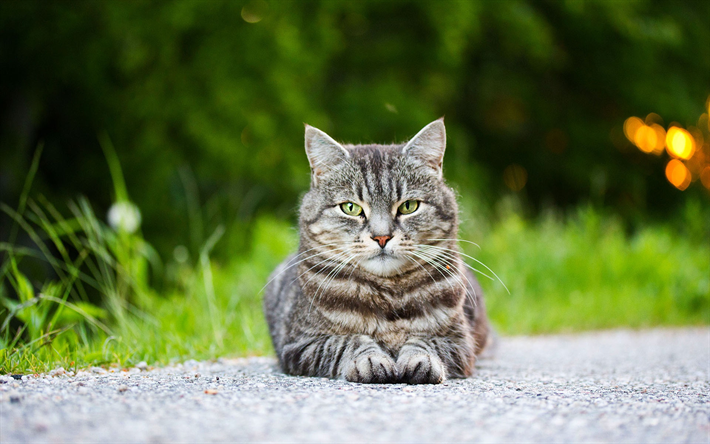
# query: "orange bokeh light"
(705, 177)
(660, 139)
(648, 138)
(700, 159)
(688, 147)
(697, 136)
(680, 143)
(677, 174)
(631, 125)
(704, 121)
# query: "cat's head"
(373, 205)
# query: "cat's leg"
(356, 358)
(430, 360)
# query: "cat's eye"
(408, 207)
(351, 208)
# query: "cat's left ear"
(429, 145)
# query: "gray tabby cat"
(378, 292)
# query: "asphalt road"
(617, 386)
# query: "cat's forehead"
(374, 151)
(376, 162)
(376, 173)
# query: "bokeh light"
(254, 11)
(124, 216)
(697, 136)
(655, 143)
(515, 177)
(705, 177)
(654, 118)
(631, 125)
(646, 139)
(181, 254)
(678, 174)
(688, 146)
(703, 121)
(648, 136)
(680, 143)
(699, 160)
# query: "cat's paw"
(371, 368)
(420, 367)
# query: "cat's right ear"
(323, 153)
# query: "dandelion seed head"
(124, 216)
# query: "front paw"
(420, 367)
(371, 368)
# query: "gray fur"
(345, 307)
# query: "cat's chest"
(389, 312)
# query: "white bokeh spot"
(124, 216)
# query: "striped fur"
(345, 307)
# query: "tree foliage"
(209, 98)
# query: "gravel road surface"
(615, 386)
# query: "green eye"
(351, 208)
(408, 207)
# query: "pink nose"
(382, 240)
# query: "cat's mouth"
(384, 255)
(384, 263)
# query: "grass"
(113, 301)
(584, 272)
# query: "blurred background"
(151, 158)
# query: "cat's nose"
(382, 240)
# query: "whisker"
(319, 286)
(459, 240)
(408, 254)
(474, 259)
(443, 268)
(435, 267)
(302, 260)
(457, 276)
(333, 259)
(334, 273)
(355, 266)
(328, 280)
(450, 256)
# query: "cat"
(378, 292)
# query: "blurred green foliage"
(212, 96)
(565, 273)
(583, 272)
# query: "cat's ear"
(428, 145)
(323, 152)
